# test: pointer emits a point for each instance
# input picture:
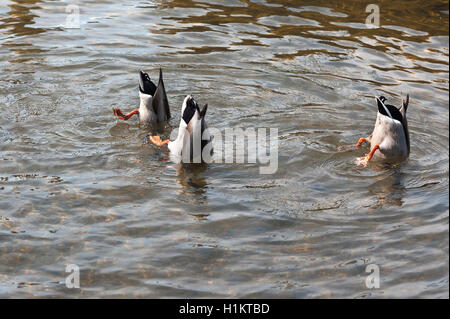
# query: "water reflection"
(191, 177)
(21, 17)
(388, 187)
(19, 23)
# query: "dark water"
(79, 187)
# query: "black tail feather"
(203, 111)
(160, 102)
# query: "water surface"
(79, 187)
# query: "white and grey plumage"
(391, 131)
(154, 105)
(193, 143)
(390, 137)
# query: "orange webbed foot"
(362, 160)
(157, 140)
(118, 113)
(365, 159)
(352, 147)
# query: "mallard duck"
(193, 143)
(154, 106)
(390, 137)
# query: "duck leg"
(351, 147)
(360, 141)
(365, 159)
(118, 113)
(157, 140)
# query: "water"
(79, 187)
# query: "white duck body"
(193, 135)
(146, 112)
(390, 136)
(176, 147)
(391, 132)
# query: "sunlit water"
(79, 187)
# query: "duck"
(194, 142)
(154, 105)
(389, 140)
